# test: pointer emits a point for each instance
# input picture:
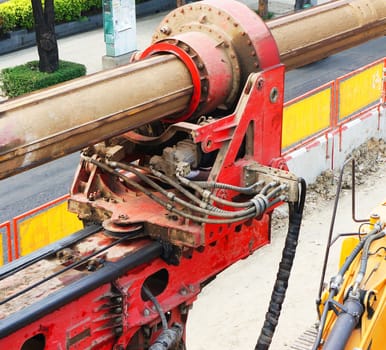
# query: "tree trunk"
(299, 4)
(45, 35)
(263, 9)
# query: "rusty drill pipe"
(55, 122)
(308, 36)
(46, 125)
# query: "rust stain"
(9, 138)
(71, 278)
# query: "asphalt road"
(40, 185)
(301, 80)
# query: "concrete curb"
(330, 151)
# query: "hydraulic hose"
(338, 279)
(364, 260)
(169, 338)
(285, 266)
(157, 305)
(352, 308)
(344, 325)
(259, 202)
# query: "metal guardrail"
(36, 228)
(327, 108)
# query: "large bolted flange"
(225, 40)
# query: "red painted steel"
(261, 38)
(183, 285)
(264, 118)
(189, 64)
(88, 322)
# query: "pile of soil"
(368, 158)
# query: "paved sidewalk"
(89, 48)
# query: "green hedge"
(26, 78)
(17, 14)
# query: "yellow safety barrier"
(47, 227)
(306, 117)
(359, 90)
(329, 106)
(42, 226)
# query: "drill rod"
(57, 121)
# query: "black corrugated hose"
(281, 284)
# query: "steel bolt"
(165, 30)
(118, 331)
(118, 299)
(186, 48)
(146, 312)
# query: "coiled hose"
(284, 271)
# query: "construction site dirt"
(230, 311)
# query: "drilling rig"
(180, 171)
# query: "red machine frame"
(256, 121)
